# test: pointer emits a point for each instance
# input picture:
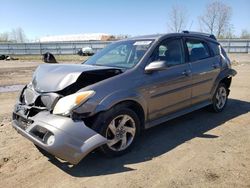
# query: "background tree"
(216, 19)
(177, 19)
(18, 35)
(245, 34)
(4, 37)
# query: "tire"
(220, 97)
(121, 138)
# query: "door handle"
(215, 66)
(186, 73)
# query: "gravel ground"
(200, 149)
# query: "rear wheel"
(220, 98)
(121, 127)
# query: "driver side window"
(170, 51)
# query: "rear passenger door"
(205, 68)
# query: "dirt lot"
(20, 72)
(201, 149)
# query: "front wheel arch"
(102, 120)
(136, 107)
(133, 105)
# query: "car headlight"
(66, 104)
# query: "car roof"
(183, 34)
(152, 37)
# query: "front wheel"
(220, 98)
(120, 126)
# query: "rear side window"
(197, 50)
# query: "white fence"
(230, 45)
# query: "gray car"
(131, 85)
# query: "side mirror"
(155, 66)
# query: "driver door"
(169, 90)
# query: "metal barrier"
(236, 45)
(52, 47)
(230, 45)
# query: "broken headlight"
(66, 104)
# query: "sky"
(133, 17)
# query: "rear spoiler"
(201, 34)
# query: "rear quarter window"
(215, 48)
(223, 52)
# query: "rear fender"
(227, 73)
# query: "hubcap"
(221, 97)
(120, 132)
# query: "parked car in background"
(86, 51)
(131, 85)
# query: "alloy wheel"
(120, 132)
(221, 97)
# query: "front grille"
(22, 122)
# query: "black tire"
(214, 107)
(101, 126)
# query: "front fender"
(92, 107)
(121, 96)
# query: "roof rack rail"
(202, 34)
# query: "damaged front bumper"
(60, 136)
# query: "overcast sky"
(134, 17)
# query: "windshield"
(124, 54)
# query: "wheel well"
(227, 81)
(136, 107)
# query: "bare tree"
(229, 33)
(4, 37)
(245, 34)
(177, 19)
(18, 35)
(216, 19)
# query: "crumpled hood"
(51, 78)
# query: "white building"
(77, 37)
